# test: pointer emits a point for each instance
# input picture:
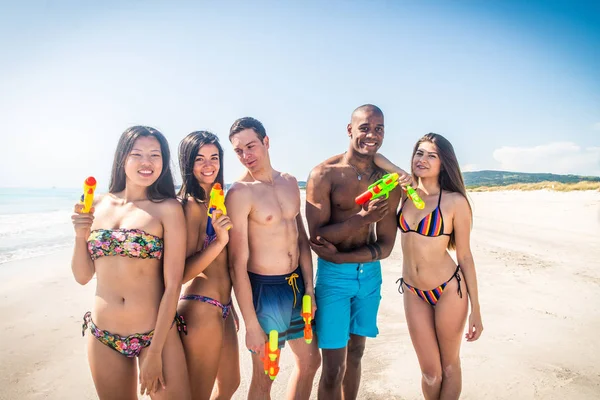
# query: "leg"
(356, 348)
(335, 288)
(228, 377)
(174, 369)
(450, 317)
(421, 326)
(332, 374)
(363, 324)
(260, 386)
(202, 345)
(308, 361)
(114, 375)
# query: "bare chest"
(271, 205)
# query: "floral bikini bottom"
(129, 346)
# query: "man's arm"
(238, 203)
(318, 210)
(386, 236)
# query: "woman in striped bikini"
(434, 287)
(211, 345)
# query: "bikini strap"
(87, 318)
(457, 276)
(440, 198)
(400, 288)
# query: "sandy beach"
(537, 256)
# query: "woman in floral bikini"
(211, 345)
(133, 240)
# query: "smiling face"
(366, 131)
(207, 164)
(251, 152)
(144, 162)
(426, 162)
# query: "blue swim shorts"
(347, 297)
(278, 303)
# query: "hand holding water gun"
(272, 352)
(217, 203)
(87, 198)
(307, 317)
(83, 216)
(381, 188)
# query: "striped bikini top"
(431, 225)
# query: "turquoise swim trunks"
(278, 303)
(347, 297)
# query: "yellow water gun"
(87, 198)
(307, 317)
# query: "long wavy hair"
(450, 177)
(164, 187)
(188, 150)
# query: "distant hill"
(503, 178)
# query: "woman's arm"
(81, 263)
(462, 235)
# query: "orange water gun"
(307, 317)
(272, 351)
(87, 198)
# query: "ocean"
(35, 222)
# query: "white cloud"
(557, 158)
(469, 167)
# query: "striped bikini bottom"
(432, 296)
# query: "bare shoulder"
(238, 190)
(325, 169)
(192, 208)
(289, 178)
(169, 206)
(456, 201)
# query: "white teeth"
(208, 173)
(145, 172)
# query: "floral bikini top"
(134, 243)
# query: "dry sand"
(537, 256)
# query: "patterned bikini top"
(134, 243)
(431, 225)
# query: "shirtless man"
(349, 240)
(270, 260)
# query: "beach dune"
(536, 255)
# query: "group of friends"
(163, 300)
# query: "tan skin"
(211, 345)
(136, 295)
(436, 332)
(268, 238)
(341, 230)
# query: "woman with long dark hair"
(133, 240)
(434, 287)
(211, 345)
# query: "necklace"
(359, 175)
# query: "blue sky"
(513, 85)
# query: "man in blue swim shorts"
(350, 241)
(270, 260)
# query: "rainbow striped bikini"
(431, 225)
